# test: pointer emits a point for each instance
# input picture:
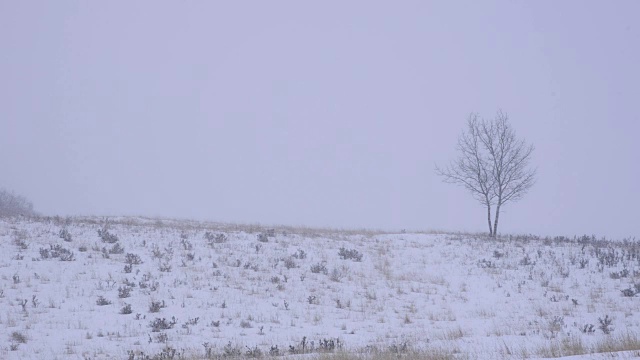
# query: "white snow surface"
(465, 295)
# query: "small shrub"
(619, 274)
(164, 267)
(169, 353)
(191, 322)
(18, 337)
(300, 254)
(605, 324)
(253, 352)
(526, 261)
(231, 351)
(220, 238)
(129, 283)
(20, 239)
(329, 345)
(56, 251)
(67, 256)
(273, 351)
(132, 259)
(629, 292)
(336, 275)
(126, 309)
(155, 306)
(208, 350)
(486, 264)
(289, 263)
(349, 254)
(583, 263)
(263, 238)
(124, 292)
(162, 338)
(65, 235)
(102, 301)
(319, 268)
(556, 325)
(160, 324)
(214, 238)
(588, 329)
(107, 237)
(116, 249)
(400, 348)
(186, 244)
(245, 324)
(156, 253)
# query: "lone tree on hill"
(493, 164)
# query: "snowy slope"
(235, 288)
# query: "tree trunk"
(489, 219)
(495, 224)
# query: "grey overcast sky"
(329, 113)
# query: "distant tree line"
(12, 204)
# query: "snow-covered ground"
(221, 288)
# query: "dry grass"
(432, 354)
(195, 225)
(485, 313)
(575, 346)
(564, 347)
(452, 334)
(625, 342)
(442, 315)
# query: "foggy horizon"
(331, 115)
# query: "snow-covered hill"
(134, 287)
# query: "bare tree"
(472, 168)
(493, 164)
